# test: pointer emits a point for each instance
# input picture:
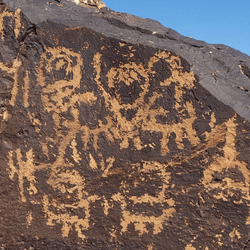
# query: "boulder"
(119, 133)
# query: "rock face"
(118, 133)
(96, 3)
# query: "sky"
(213, 21)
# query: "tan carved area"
(59, 74)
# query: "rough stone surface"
(97, 3)
(118, 133)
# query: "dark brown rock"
(110, 138)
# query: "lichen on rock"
(96, 3)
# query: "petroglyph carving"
(13, 18)
(131, 119)
(113, 143)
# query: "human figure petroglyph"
(127, 75)
(55, 179)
